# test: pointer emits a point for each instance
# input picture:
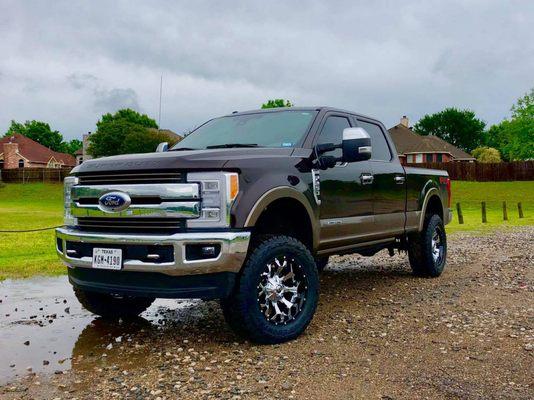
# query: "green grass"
(40, 205)
(471, 194)
(29, 206)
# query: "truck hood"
(211, 159)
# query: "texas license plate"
(107, 258)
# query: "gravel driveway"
(378, 333)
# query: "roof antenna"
(160, 90)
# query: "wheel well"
(286, 216)
(434, 206)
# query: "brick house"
(18, 151)
(413, 148)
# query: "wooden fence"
(26, 175)
(466, 171)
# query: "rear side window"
(332, 132)
(378, 141)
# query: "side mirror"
(356, 145)
(162, 147)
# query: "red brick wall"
(11, 158)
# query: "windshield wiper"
(182, 149)
(230, 145)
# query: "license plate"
(107, 258)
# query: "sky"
(69, 62)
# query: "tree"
(277, 103)
(72, 147)
(129, 115)
(485, 154)
(458, 127)
(38, 131)
(514, 137)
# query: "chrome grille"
(146, 225)
(130, 177)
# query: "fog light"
(208, 250)
(202, 251)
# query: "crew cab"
(247, 209)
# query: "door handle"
(399, 179)
(366, 178)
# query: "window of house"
(378, 141)
(418, 158)
(332, 132)
(1, 164)
(439, 157)
(429, 158)
(21, 163)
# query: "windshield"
(262, 129)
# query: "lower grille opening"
(138, 225)
(146, 253)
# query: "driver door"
(346, 210)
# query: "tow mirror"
(162, 147)
(356, 145)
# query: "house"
(79, 156)
(18, 151)
(413, 148)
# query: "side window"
(332, 132)
(378, 141)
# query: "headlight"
(69, 182)
(218, 192)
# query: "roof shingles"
(37, 153)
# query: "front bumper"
(233, 250)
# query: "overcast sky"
(68, 62)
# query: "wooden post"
(460, 215)
(520, 209)
(484, 219)
(504, 211)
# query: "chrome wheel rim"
(282, 290)
(437, 246)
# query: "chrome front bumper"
(234, 246)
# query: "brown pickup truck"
(247, 209)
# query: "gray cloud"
(69, 63)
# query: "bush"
(487, 155)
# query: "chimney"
(404, 121)
(11, 158)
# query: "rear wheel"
(427, 249)
(277, 292)
(111, 306)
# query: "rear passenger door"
(389, 186)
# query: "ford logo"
(114, 201)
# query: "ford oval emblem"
(114, 201)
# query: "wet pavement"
(42, 327)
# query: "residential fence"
(474, 171)
(26, 175)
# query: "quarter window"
(332, 132)
(378, 141)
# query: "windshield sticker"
(286, 144)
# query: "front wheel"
(111, 306)
(277, 292)
(427, 249)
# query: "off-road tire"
(420, 248)
(110, 306)
(242, 309)
(321, 263)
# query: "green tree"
(277, 103)
(514, 137)
(129, 115)
(485, 154)
(72, 147)
(458, 127)
(38, 131)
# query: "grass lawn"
(39, 205)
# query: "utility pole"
(160, 90)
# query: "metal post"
(484, 219)
(504, 211)
(460, 215)
(520, 209)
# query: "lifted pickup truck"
(247, 209)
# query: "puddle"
(43, 327)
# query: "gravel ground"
(378, 333)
